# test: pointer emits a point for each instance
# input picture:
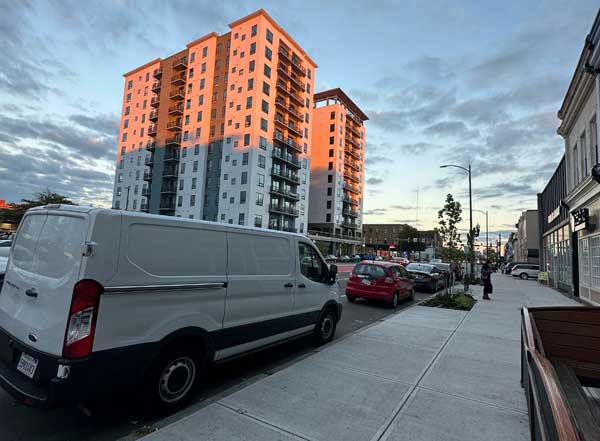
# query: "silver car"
(525, 271)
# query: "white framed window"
(595, 261)
(584, 262)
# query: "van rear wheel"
(325, 328)
(171, 379)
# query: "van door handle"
(31, 292)
(302, 285)
(289, 285)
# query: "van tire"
(325, 327)
(524, 276)
(172, 378)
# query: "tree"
(449, 217)
(471, 236)
(16, 211)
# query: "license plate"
(366, 282)
(27, 365)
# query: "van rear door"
(42, 270)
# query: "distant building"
(526, 248)
(3, 204)
(337, 171)
(392, 238)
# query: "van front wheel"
(325, 328)
(171, 379)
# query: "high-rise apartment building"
(337, 172)
(221, 130)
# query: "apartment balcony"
(279, 102)
(153, 116)
(291, 177)
(356, 119)
(156, 86)
(352, 153)
(298, 82)
(351, 164)
(169, 173)
(180, 63)
(351, 141)
(173, 141)
(348, 200)
(171, 156)
(179, 79)
(144, 207)
(352, 188)
(157, 73)
(351, 213)
(149, 160)
(352, 177)
(178, 94)
(151, 146)
(174, 126)
(297, 66)
(348, 224)
(148, 176)
(167, 206)
(176, 109)
(168, 189)
(155, 101)
(294, 128)
(289, 91)
(285, 193)
(288, 211)
(287, 158)
(350, 126)
(288, 142)
(147, 191)
(152, 130)
(283, 228)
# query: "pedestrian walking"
(486, 277)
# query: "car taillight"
(79, 336)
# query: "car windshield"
(419, 267)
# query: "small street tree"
(16, 211)
(449, 217)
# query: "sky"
(442, 82)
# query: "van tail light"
(79, 336)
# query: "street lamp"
(468, 170)
(487, 245)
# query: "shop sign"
(581, 219)
(552, 216)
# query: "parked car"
(401, 260)
(3, 263)
(92, 309)
(511, 265)
(330, 258)
(5, 247)
(426, 276)
(344, 259)
(446, 271)
(525, 271)
(356, 258)
(367, 256)
(385, 281)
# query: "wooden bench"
(560, 371)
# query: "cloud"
(107, 124)
(375, 159)
(419, 147)
(456, 129)
(374, 181)
(375, 212)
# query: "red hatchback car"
(385, 281)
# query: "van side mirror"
(332, 274)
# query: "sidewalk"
(423, 374)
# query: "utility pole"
(127, 201)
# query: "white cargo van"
(99, 301)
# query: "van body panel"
(42, 271)
(101, 259)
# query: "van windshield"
(49, 245)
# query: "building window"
(267, 71)
(179, 201)
(250, 83)
(258, 221)
(329, 191)
(201, 100)
(263, 143)
(241, 219)
(265, 106)
(204, 51)
(261, 180)
(181, 183)
(268, 54)
(331, 140)
(194, 183)
(249, 102)
(328, 217)
(245, 156)
(266, 88)
(248, 121)
(263, 124)
(252, 48)
(269, 36)
(246, 139)
(332, 127)
(329, 204)
(331, 153)
(330, 166)
(251, 66)
(584, 262)
(259, 199)
(202, 83)
(243, 197)
(262, 161)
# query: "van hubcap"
(177, 379)
(326, 327)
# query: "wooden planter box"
(560, 371)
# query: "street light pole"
(471, 241)
(487, 244)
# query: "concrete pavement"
(422, 374)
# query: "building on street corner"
(395, 239)
(579, 128)
(221, 130)
(526, 245)
(337, 173)
(556, 256)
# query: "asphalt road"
(109, 422)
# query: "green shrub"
(460, 301)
